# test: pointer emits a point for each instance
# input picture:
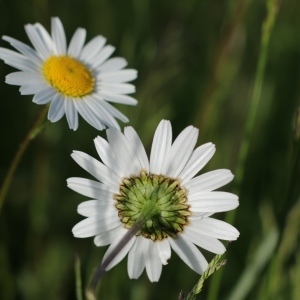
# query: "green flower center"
(157, 201)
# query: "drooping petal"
(164, 250)
(153, 262)
(189, 253)
(136, 258)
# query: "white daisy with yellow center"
(161, 194)
(78, 79)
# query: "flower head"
(173, 206)
(74, 79)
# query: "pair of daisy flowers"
(172, 207)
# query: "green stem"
(99, 272)
(78, 279)
(272, 9)
(35, 129)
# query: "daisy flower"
(174, 206)
(74, 79)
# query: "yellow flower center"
(69, 76)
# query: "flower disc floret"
(159, 202)
(69, 76)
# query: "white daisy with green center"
(173, 206)
(74, 79)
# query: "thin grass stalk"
(78, 282)
(267, 28)
(35, 129)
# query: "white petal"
(101, 57)
(124, 152)
(46, 38)
(97, 169)
(37, 41)
(24, 49)
(99, 106)
(160, 146)
(122, 253)
(24, 78)
(96, 225)
(118, 76)
(180, 151)
(117, 88)
(153, 263)
(92, 48)
(197, 161)
(58, 36)
(107, 237)
(91, 188)
(164, 251)
(215, 228)
(136, 144)
(108, 156)
(77, 42)
(17, 60)
(90, 115)
(208, 243)
(123, 99)
(71, 113)
(32, 88)
(209, 181)
(114, 112)
(94, 207)
(56, 110)
(212, 201)
(113, 64)
(44, 96)
(136, 258)
(189, 253)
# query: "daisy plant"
(75, 79)
(160, 198)
(72, 79)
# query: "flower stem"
(90, 293)
(35, 129)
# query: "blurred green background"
(197, 63)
